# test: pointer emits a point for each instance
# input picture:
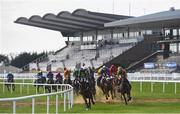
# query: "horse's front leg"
(13, 87)
(89, 104)
(112, 95)
(123, 94)
(8, 87)
(85, 100)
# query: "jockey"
(83, 73)
(50, 75)
(105, 71)
(10, 77)
(121, 73)
(113, 71)
(66, 74)
(39, 75)
(58, 76)
(76, 74)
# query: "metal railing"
(66, 92)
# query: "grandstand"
(98, 39)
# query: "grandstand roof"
(161, 19)
(68, 23)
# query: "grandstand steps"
(137, 53)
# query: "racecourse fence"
(64, 90)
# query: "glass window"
(148, 31)
(174, 32)
(173, 47)
(99, 37)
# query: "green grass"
(139, 104)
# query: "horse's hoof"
(129, 98)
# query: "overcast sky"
(16, 38)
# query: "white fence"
(154, 76)
(66, 91)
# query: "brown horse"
(108, 86)
(86, 92)
(125, 89)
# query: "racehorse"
(91, 80)
(125, 89)
(10, 86)
(68, 81)
(108, 84)
(86, 92)
(49, 88)
(76, 86)
(41, 80)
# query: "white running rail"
(66, 92)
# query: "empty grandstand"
(98, 39)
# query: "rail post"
(175, 88)
(163, 87)
(56, 103)
(14, 107)
(64, 102)
(33, 107)
(48, 104)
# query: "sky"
(17, 38)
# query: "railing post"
(21, 88)
(33, 100)
(175, 88)
(47, 104)
(36, 88)
(44, 89)
(3, 85)
(141, 86)
(151, 86)
(72, 102)
(27, 88)
(11, 88)
(69, 106)
(14, 107)
(61, 90)
(64, 102)
(56, 103)
(163, 87)
(51, 88)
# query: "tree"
(25, 58)
(4, 59)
